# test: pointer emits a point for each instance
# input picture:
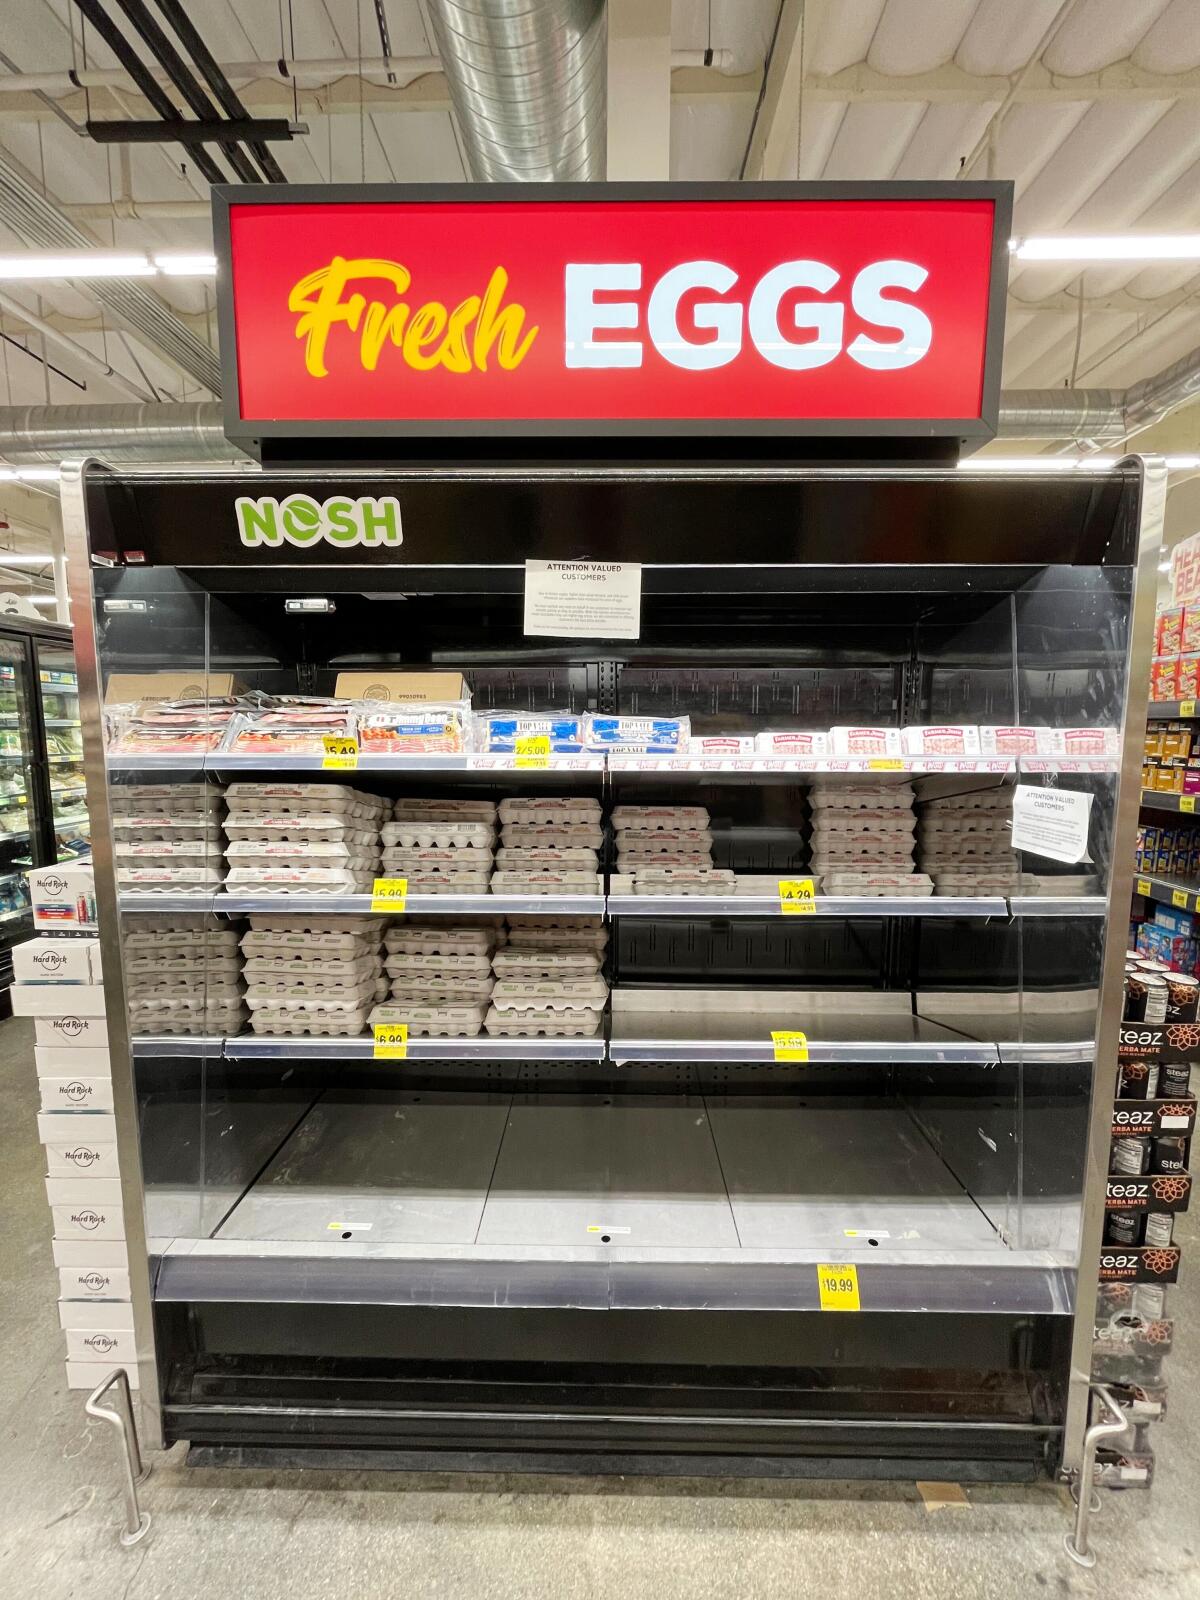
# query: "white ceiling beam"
(950, 85)
(639, 91)
(772, 149)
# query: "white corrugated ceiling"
(1103, 136)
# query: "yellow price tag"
(885, 764)
(790, 1046)
(1144, 886)
(390, 895)
(1187, 708)
(532, 751)
(341, 753)
(797, 897)
(1187, 802)
(1179, 898)
(837, 1283)
(391, 1041)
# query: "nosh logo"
(300, 520)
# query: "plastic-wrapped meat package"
(292, 726)
(441, 728)
(169, 727)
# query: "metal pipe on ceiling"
(527, 81)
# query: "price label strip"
(390, 895)
(341, 753)
(391, 1041)
(532, 751)
(837, 1284)
(797, 897)
(1145, 887)
(1179, 899)
(790, 1046)
(885, 764)
(1187, 708)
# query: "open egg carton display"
(183, 976)
(168, 837)
(549, 846)
(312, 975)
(441, 846)
(440, 973)
(667, 850)
(302, 838)
(965, 845)
(862, 840)
(549, 980)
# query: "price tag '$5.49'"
(341, 753)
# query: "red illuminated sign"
(772, 309)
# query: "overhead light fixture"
(1038, 463)
(28, 474)
(1107, 247)
(109, 264)
(7, 560)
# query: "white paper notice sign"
(1051, 822)
(583, 599)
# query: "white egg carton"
(162, 878)
(259, 944)
(441, 1020)
(860, 796)
(165, 851)
(295, 880)
(319, 852)
(170, 799)
(650, 819)
(464, 859)
(554, 811)
(896, 820)
(403, 939)
(997, 823)
(303, 799)
(438, 834)
(1071, 883)
(200, 942)
(684, 880)
(584, 836)
(550, 994)
(448, 882)
(408, 809)
(971, 847)
(444, 991)
(302, 830)
(586, 938)
(580, 1024)
(677, 863)
(318, 1019)
(526, 963)
(316, 993)
(315, 927)
(979, 880)
(875, 882)
(149, 825)
(547, 882)
(412, 967)
(978, 800)
(191, 964)
(348, 969)
(571, 857)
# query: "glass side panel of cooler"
(18, 798)
(59, 689)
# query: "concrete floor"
(304, 1536)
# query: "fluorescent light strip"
(10, 560)
(200, 265)
(109, 264)
(1108, 247)
(28, 474)
(1065, 463)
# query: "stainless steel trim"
(256, 1047)
(79, 578)
(137, 1521)
(1120, 891)
(1084, 905)
(747, 905)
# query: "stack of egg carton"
(862, 839)
(182, 976)
(549, 981)
(549, 846)
(441, 846)
(167, 838)
(440, 973)
(966, 843)
(668, 850)
(312, 975)
(302, 838)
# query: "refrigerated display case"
(41, 770)
(824, 1191)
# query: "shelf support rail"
(137, 1521)
(1076, 1543)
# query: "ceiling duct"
(33, 218)
(527, 80)
(1105, 415)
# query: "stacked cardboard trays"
(441, 846)
(549, 981)
(167, 838)
(302, 838)
(183, 976)
(549, 846)
(668, 850)
(440, 975)
(966, 843)
(312, 975)
(862, 840)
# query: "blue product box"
(564, 731)
(1173, 921)
(652, 735)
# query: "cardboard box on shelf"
(88, 1221)
(110, 1345)
(81, 1156)
(63, 1127)
(70, 1028)
(1164, 678)
(84, 1254)
(83, 1374)
(392, 687)
(82, 1093)
(1189, 633)
(52, 1060)
(63, 898)
(131, 688)
(79, 1191)
(47, 960)
(1187, 677)
(95, 1313)
(1168, 632)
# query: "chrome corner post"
(1076, 1542)
(1152, 514)
(137, 1521)
(83, 614)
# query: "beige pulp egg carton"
(300, 799)
(466, 858)
(438, 833)
(413, 967)
(644, 847)
(279, 945)
(547, 882)
(536, 1024)
(445, 810)
(150, 825)
(429, 1019)
(315, 926)
(302, 828)
(522, 963)
(294, 880)
(860, 796)
(151, 879)
(318, 1018)
(550, 994)
(652, 819)
(451, 988)
(550, 811)
(879, 883)
(198, 942)
(437, 938)
(585, 938)
(576, 858)
(448, 882)
(683, 880)
(171, 799)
